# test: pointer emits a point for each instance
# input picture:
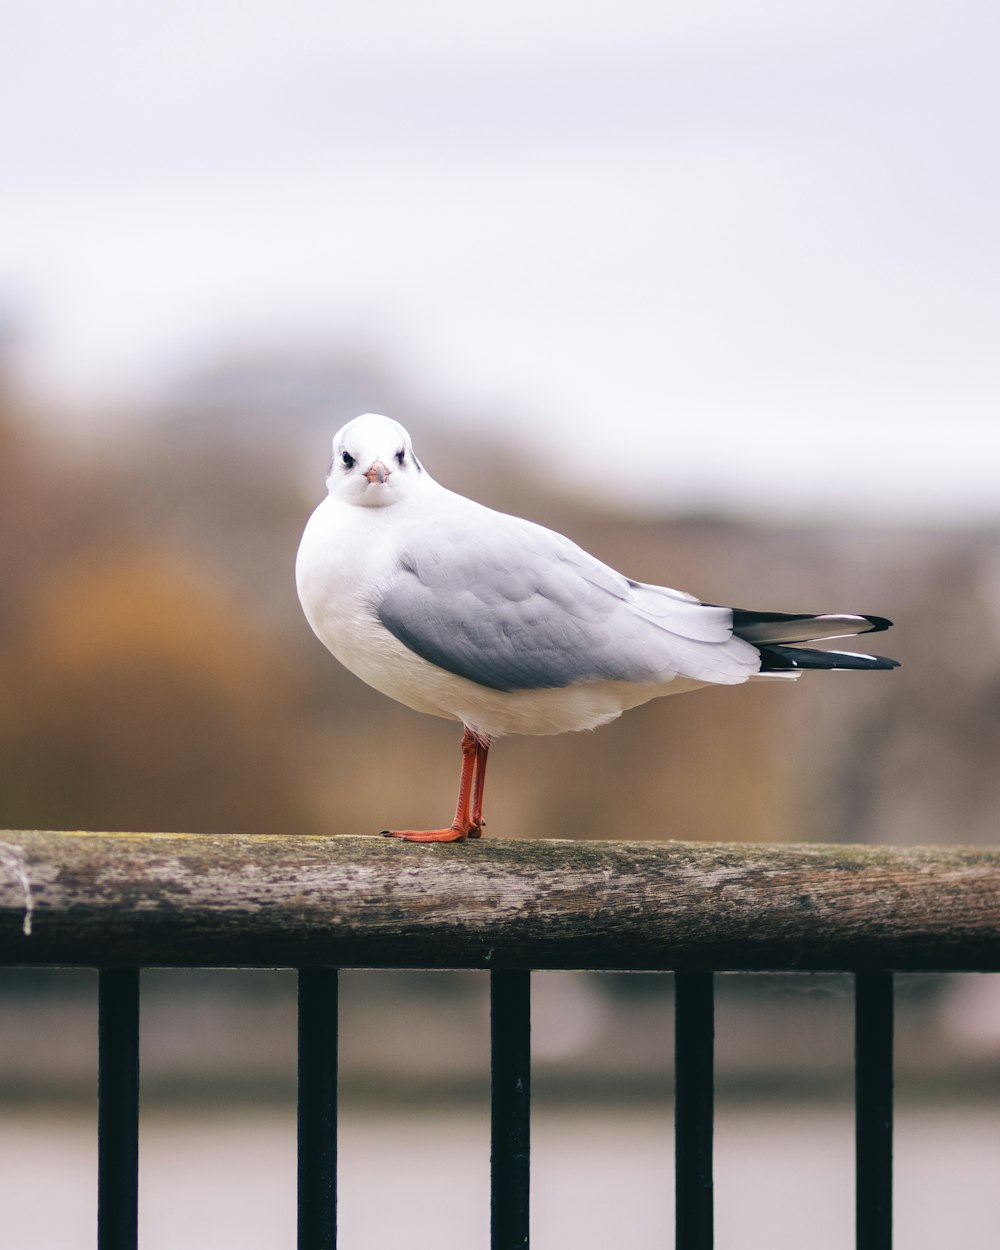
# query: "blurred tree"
(137, 699)
(136, 692)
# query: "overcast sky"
(704, 252)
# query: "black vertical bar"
(694, 1030)
(873, 1029)
(317, 1170)
(118, 1109)
(510, 1124)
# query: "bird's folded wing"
(513, 606)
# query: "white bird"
(484, 618)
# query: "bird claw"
(451, 834)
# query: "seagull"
(466, 613)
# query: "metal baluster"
(510, 1130)
(317, 1130)
(118, 1109)
(873, 1031)
(694, 1029)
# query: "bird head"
(373, 462)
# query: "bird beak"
(377, 473)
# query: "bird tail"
(775, 634)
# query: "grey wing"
(518, 607)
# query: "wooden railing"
(107, 899)
(122, 901)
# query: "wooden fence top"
(107, 899)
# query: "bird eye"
(401, 457)
(348, 460)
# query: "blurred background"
(714, 289)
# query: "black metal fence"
(118, 1115)
(120, 902)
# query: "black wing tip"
(779, 659)
(744, 617)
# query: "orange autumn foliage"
(135, 698)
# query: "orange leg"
(482, 752)
(470, 790)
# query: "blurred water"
(224, 1179)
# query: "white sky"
(748, 250)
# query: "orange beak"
(377, 473)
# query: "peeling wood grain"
(189, 899)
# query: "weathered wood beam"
(190, 899)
